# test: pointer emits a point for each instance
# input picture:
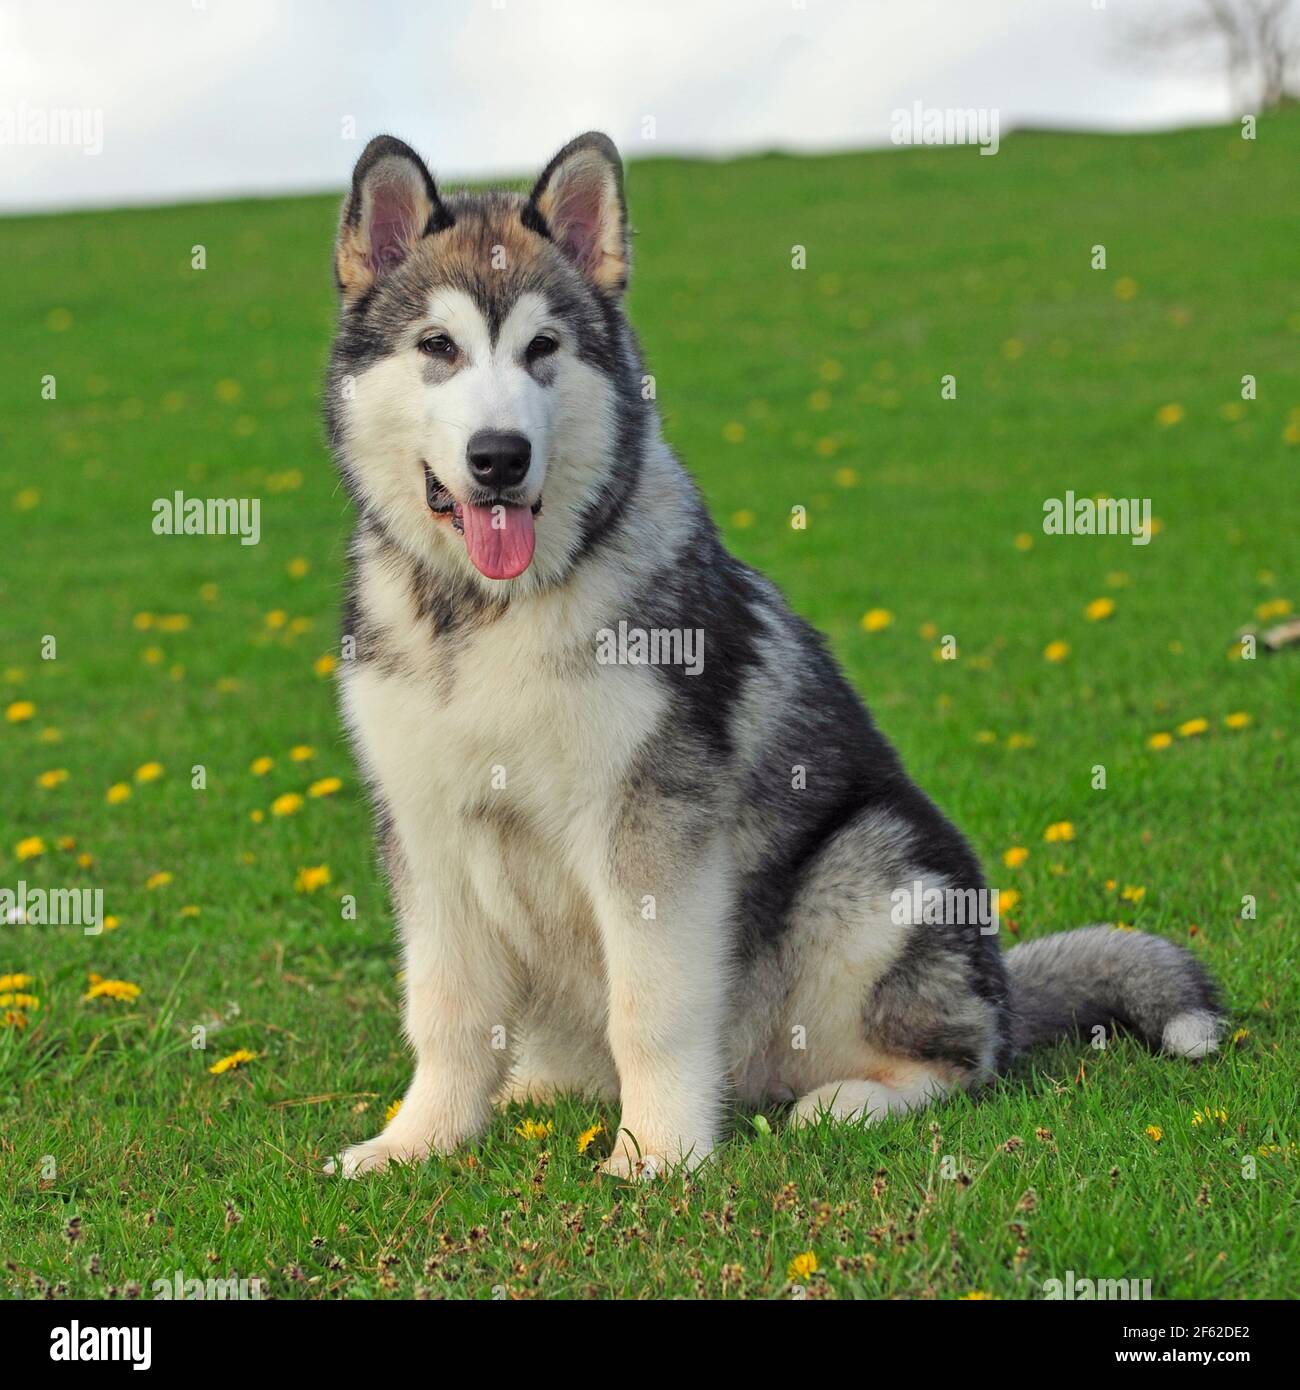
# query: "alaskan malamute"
(644, 841)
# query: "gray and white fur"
(665, 888)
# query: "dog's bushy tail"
(1076, 980)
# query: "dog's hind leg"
(868, 1100)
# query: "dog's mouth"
(499, 534)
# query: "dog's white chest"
(513, 721)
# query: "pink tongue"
(499, 539)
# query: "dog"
(666, 882)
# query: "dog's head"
(480, 358)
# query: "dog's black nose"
(499, 458)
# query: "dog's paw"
(635, 1162)
(372, 1157)
(631, 1167)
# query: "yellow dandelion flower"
(122, 990)
(876, 619)
(327, 786)
(13, 1018)
(174, 622)
(846, 477)
(287, 804)
(20, 711)
(1024, 541)
(975, 1296)
(309, 880)
(1099, 608)
(1209, 1116)
(55, 777)
(302, 752)
(802, 1266)
(533, 1129)
(743, 519)
(1172, 414)
(297, 567)
(324, 665)
(189, 910)
(1191, 727)
(1155, 1133)
(236, 1059)
(148, 772)
(259, 767)
(734, 432)
(1020, 741)
(16, 982)
(20, 1001)
(117, 793)
(1273, 608)
(50, 736)
(1159, 741)
(1132, 893)
(1056, 651)
(85, 861)
(159, 880)
(30, 848)
(209, 592)
(1015, 856)
(1126, 288)
(819, 400)
(587, 1136)
(276, 618)
(1238, 720)
(1058, 831)
(1239, 1037)
(392, 1110)
(985, 736)
(111, 923)
(257, 815)
(1008, 900)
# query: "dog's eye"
(541, 346)
(439, 345)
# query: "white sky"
(204, 98)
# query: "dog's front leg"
(458, 1016)
(667, 955)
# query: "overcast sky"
(204, 98)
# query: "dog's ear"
(392, 205)
(579, 199)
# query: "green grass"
(919, 263)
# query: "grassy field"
(123, 1158)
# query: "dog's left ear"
(579, 199)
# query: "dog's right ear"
(393, 204)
